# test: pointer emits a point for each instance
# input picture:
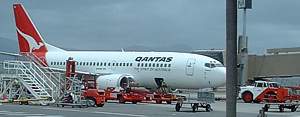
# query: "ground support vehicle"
(281, 106)
(283, 100)
(130, 96)
(70, 100)
(111, 94)
(160, 97)
(261, 90)
(96, 97)
(203, 100)
(81, 91)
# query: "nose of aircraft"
(221, 77)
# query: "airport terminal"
(44, 80)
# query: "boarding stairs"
(33, 78)
(57, 78)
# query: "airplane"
(114, 68)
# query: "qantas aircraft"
(149, 69)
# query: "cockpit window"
(213, 65)
(219, 65)
(207, 65)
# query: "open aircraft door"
(189, 69)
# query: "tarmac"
(113, 109)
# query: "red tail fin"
(30, 40)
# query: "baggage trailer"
(203, 100)
(290, 100)
(130, 96)
(281, 106)
(160, 97)
(111, 94)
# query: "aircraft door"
(207, 73)
(189, 69)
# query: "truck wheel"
(247, 97)
(169, 102)
(266, 107)
(177, 107)
(91, 102)
(121, 100)
(281, 108)
(208, 108)
(194, 107)
(293, 108)
(134, 102)
(100, 105)
(158, 101)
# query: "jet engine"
(115, 80)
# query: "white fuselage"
(179, 70)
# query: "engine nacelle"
(114, 80)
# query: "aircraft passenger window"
(117, 64)
(142, 64)
(145, 64)
(130, 64)
(80, 63)
(153, 65)
(97, 63)
(104, 64)
(113, 64)
(161, 65)
(83, 63)
(138, 64)
(157, 65)
(165, 65)
(60, 63)
(91, 63)
(120, 64)
(94, 63)
(101, 64)
(64, 63)
(169, 65)
(124, 64)
(149, 64)
(127, 64)
(108, 64)
(51, 63)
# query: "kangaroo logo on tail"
(30, 40)
(33, 45)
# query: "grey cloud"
(154, 25)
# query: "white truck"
(256, 92)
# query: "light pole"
(243, 42)
(231, 57)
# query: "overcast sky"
(165, 25)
